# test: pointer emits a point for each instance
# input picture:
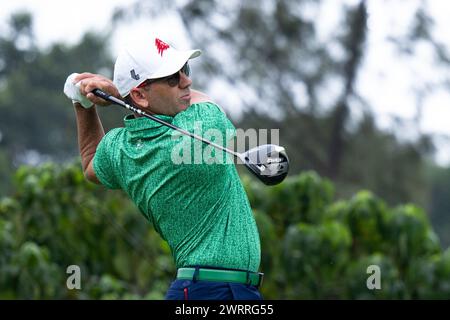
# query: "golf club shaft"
(110, 98)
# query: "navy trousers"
(209, 290)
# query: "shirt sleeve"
(104, 167)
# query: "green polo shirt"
(189, 191)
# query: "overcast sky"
(386, 80)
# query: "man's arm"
(89, 127)
(90, 132)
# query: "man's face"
(162, 98)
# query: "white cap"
(151, 59)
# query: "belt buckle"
(248, 281)
(261, 277)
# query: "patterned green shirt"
(189, 191)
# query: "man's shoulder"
(198, 97)
(111, 139)
(114, 133)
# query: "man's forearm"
(90, 132)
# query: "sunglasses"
(172, 80)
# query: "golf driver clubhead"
(269, 162)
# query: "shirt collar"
(143, 125)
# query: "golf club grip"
(101, 94)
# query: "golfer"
(201, 209)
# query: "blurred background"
(359, 90)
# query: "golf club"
(269, 162)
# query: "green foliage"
(314, 257)
(327, 257)
(312, 247)
(392, 287)
(307, 197)
(56, 219)
(439, 205)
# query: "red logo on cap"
(161, 45)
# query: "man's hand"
(78, 87)
(88, 82)
(72, 91)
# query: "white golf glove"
(72, 91)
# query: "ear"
(139, 97)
